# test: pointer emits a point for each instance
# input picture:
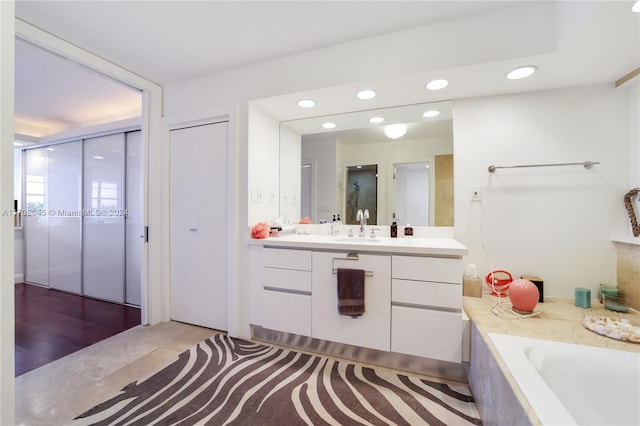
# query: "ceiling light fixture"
(329, 125)
(395, 131)
(98, 157)
(430, 114)
(366, 94)
(437, 84)
(636, 7)
(522, 72)
(306, 103)
(376, 120)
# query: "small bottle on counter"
(408, 230)
(394, 226)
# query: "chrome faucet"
(362, 217)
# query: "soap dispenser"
(394, 226)
(408, 230)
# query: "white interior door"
(199, 177)
(104, 211)
(65, 216)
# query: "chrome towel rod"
(586, 164)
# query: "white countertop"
(402, 245)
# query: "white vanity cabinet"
(286, 290)
(426, 312)
(372, 329)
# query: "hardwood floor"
(51, 324)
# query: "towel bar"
(366, 273)
(350, 256)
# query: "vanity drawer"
(287, 312)
(426, 333)
(287, 259)
(428, 294)
(287, 279)
(438, 269)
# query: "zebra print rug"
(223, 380)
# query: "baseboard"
(397, 361)
(18, 278)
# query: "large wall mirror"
(335, 165)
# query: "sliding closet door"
(65, 216)
(104, 211)
(134, 225)
(35, 220)
(199, 225)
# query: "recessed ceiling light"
(437, 84)
(522, 72)
(636, 7)
(18, 144)
(395, 131)
(376, 120)
(329, 125)
(366, 94)
(432, 113)
(306, 103)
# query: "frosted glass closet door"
(65, 217)
(103, 205)
(199, 236)
(134, 225)
(35, 220)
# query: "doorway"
(411, 193)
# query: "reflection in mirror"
(362, 193)
(413, 172)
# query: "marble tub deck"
(559, 320)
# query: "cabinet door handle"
(193, 229)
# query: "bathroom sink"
(356, 240)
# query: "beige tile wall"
(444, 190)
(628, 272)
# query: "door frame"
(230, 114)
(152, 257)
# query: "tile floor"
(57, 392)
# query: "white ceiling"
(171, 41)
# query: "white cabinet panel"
(296, 318)
(103, 204)
(371, 330)
(287, 279)
(287, 259)
(36, 235)
(199, 211)
(427, 333)
(65, 216)
(427, 293)
(35, 220)
(445, 270)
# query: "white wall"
(552, 222)
(263, 165)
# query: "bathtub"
(568, 384)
